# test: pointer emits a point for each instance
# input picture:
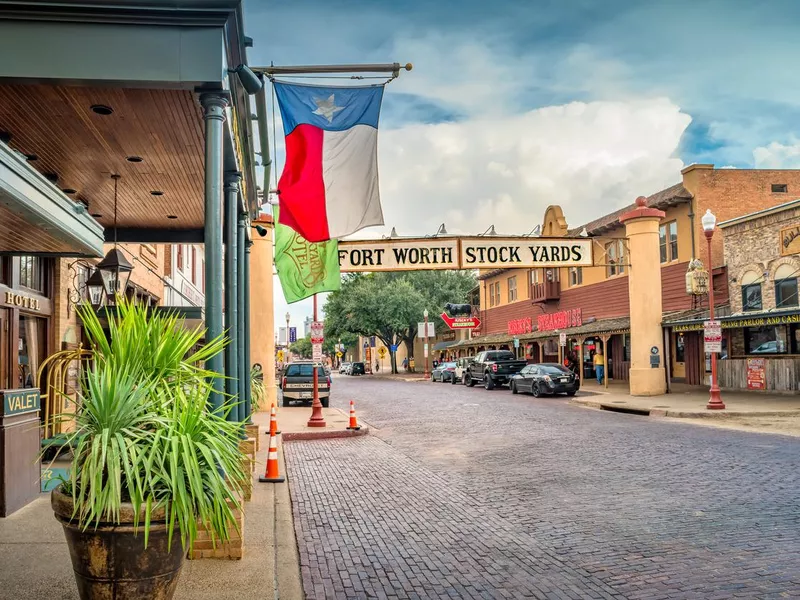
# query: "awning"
(737, 320)
(485, 340)
(443, 345)
(38, 218)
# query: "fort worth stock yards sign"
(463, 253)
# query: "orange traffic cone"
(272, 475)
(273, 421)
(353, 421)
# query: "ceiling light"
(134, 159)
(156, 193)
(101, 109)
(172, 216)
(5, 137)
(31, 157)
(97, 215)
(69, 191)
(51, 177)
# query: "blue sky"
(514, 105)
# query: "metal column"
(231, 292)
(244, 372)
(214, 115)
(248, 400)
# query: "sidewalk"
(36, 562)
(292, 423)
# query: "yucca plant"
(144, 434)
(257, 388)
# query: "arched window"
(786, 286)
(751, 291)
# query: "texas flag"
(329, 186)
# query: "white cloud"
(777, 156)
(590, 158)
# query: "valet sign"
(453, 252)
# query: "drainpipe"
(691, 224)
(263, 138)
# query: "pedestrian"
(405, 364)
(598, 365)
(377, 366)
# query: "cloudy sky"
(513, 105)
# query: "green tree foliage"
(389, 305)
(302, 347)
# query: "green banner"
(305, 268)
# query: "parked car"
(356, 368)
(443, 372)
(545, 378)
(343, 368)
(493, 368)
(461, 368)
(297, 383)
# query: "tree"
(302, 347)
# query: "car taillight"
(329, 381)
(494, 368)
(284, 382)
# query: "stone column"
(644, 289)
(231, 293)
(214, 104)
(262, 319)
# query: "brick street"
(465, 493)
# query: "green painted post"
(214, 115)
(244, 374)
(231, 292)
(248, 405)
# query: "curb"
(677, 414)
(323, 435)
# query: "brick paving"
(464, 493)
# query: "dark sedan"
(545, 379)
(443, 372)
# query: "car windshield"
(553, 370)
(303, 371)
(449, 365)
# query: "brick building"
(591, 304)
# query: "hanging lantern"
(115, 271)
(696, 279)
(96, 288)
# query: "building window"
(779, 188)
(180, 257)
(772, 339)
(615, 258)
(497, 293)
(32, 349)
(32, 273)
(668, 241)
(680, 348)
(786, 286)
(751, 296)
(512, 289)
(575, 276)
(535, 276)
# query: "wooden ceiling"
(163, 127)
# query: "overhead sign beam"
(451, 252)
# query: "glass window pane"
(751, 297)
(662, 241)
(766, 340)
(673, 240)
(786, 293)
(32, 349)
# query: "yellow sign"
(280, 355)
(339, 354)
(790, 240)
(753, 322)
(21, 301)
(382, 351)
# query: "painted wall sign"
(518, 326)
(20, 301)
(17, 402)
(790, 240)
(560, 320)
(735, 324)
(463, 253)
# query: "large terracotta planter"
(111, 563)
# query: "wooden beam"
(580, 359)
(605, 360)
(134, 235)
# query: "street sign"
(339, 354)
(425, 350)
(516, 342)
(562, 339)
(317, 332)
(382, 351)
(461, 322)
(712, 336)
(394, 347)
(316, 352)
(280, 356)
(421, 329)
(292, 335)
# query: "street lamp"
(425, 348)
(709, 222)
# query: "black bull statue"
(458, 310)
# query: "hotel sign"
(790, 240)
(20, 301)
(433, 253)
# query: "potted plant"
(151, 461)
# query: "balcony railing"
(546, 291)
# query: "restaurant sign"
(737, 323)
(560, 320)
(518, 326)
(432, 253)
(790, 240)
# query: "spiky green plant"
(144, 433)
(257, 388)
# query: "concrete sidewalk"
(292, 423)
(36, 562)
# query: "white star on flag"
(327, 108)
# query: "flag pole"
(393, 68)
(316, 420)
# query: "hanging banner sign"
(463, 253)
(461, 322)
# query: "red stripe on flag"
(302, 189)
